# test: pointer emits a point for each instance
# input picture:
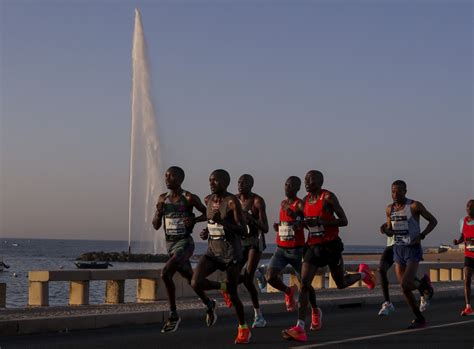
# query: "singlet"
(222, 244)
(404, 225)
(287, 235)
(174, 215)
(252, 229)
(319, 234)
(467, 231)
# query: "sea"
(24, 255)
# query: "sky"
(366, 92)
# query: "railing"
(150, 287)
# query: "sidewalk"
(67, 318)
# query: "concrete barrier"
(150, 288)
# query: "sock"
(257, 312)
(243, 326)
(362, 275)
(468, 306)
(223, 287)
(300, 323)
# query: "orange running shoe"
(295, 333)
(316, 319)
(369, 279)
(227, 299)
(290, 299)
(467, 312)
(243, 336)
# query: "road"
(358, 327)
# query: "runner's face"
(172, 180)
(311, 183)
(291, 188)
(216, 183)
(244, 185)
(470, 209)
(398, 194)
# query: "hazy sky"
(367, 92)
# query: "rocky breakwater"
(123, 256)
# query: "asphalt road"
(358, 327)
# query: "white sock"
(362, 275)
(300, 323)
(468, 305)
(257, 311)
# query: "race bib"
(316, 232)
(216, 231)
(286, 232)
(175, 226)
(402, 239)
(470, 244)
(399, 223)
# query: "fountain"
(145, 158)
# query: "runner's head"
(313, 181)
(292, 186)
(174, 177)
(399, 190)
(219, 180)
(470, 208)
(245, 184)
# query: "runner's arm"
(158, 217)
(341, 220)
(432, 221)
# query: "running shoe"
(211, 315)
(417, 323)
(260, 276)
(426, 288)
(171, 325)
(386, 309)
(243, 336)
(290, 299)
(259, 321)
(227, 299)
(295, 333)
(424, 304)
(467, 312)
(316, 319)
(369, 279)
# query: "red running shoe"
(227, 299)
(467, 312)
(295, 333)
(316, 319)
(290, 299)
(243, 336)
(369, 279)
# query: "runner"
(175, 210)
(467, 236)
(225, 227)
(253, 207)
(323, 216)
(386, 262)
(403, 223)
(290, 246)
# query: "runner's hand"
(189, 222)
(455, 242)
(160, 208)
(275, 227)
(204, 234)
(215, 216)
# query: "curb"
(144, 317)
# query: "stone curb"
(133, 318)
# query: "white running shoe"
(386, 309)
(259, 321)
(424, 304)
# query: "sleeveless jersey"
(468, 235)
(404, 225)
(222, 244)
(288, 236)
(174, 215)
(319, 234)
